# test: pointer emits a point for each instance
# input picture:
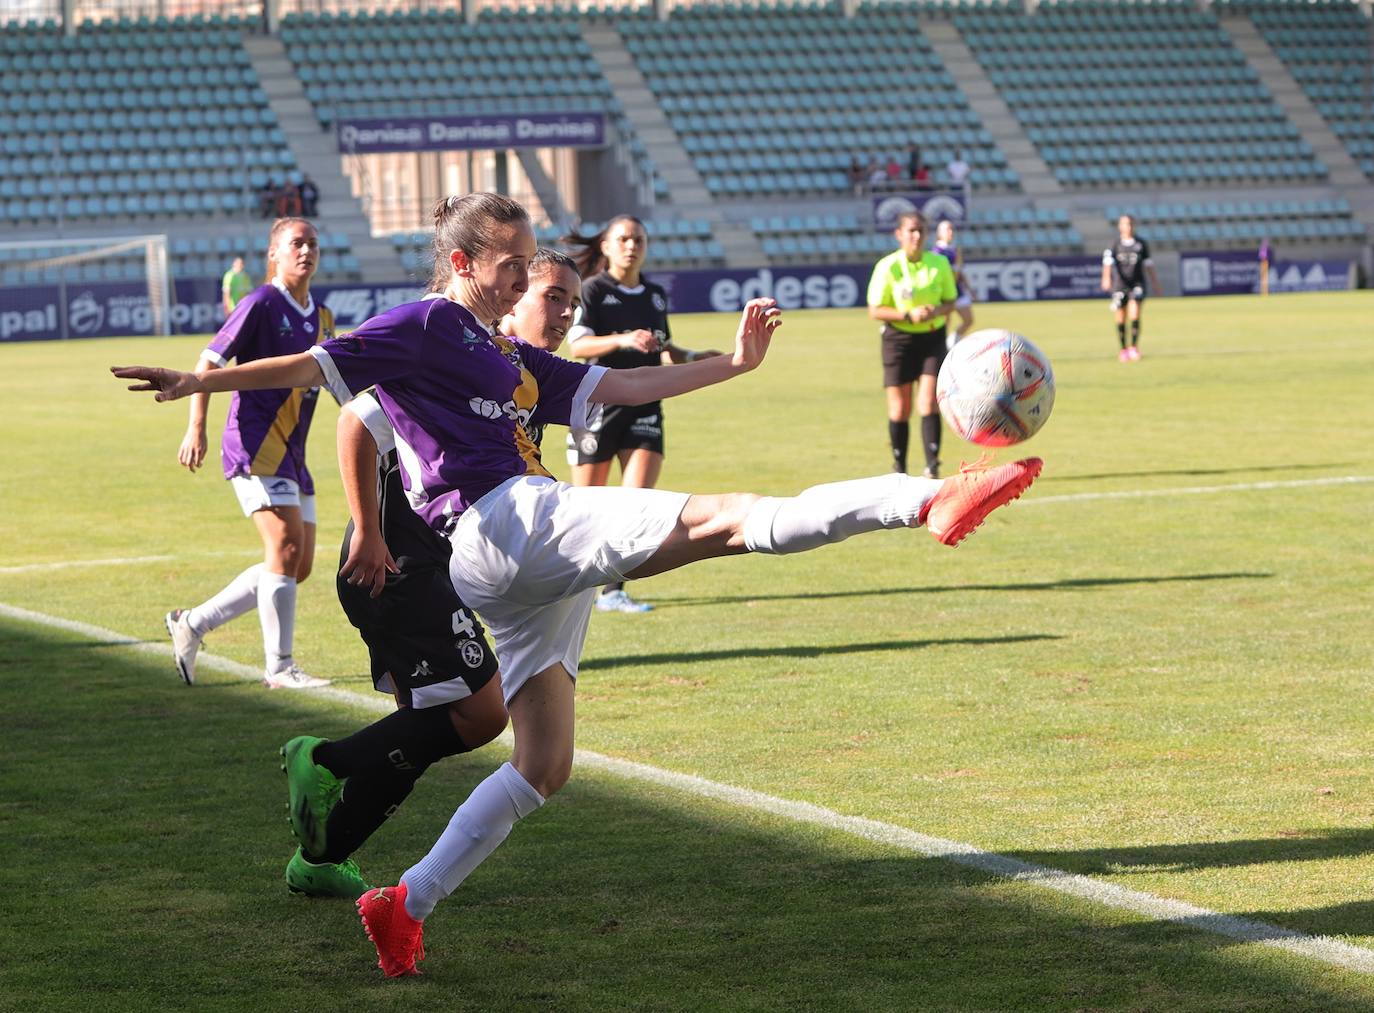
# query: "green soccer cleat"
(312, 792)
(324, 880)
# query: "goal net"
(70, 264)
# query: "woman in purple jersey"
(529, 552)
(263, 451)
(946, 246)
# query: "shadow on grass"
(1297, 846)
(803, 651)
(1070, 584)
(165, 815)
(1197, 472)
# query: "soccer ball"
(995, 388)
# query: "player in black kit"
(624, 324)
(1125, 266)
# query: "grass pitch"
(1150, 671)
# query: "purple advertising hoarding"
(1231, 272)
(459, 133)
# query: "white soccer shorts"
(530, 554)
(257, 492)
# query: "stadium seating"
(674, 244)
(765, 110)
(846, 238)
(1225, 224)
(1136, 94)
(1328, 48)
(132, 119)
(411, 63)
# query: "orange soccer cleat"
(398, 937)
(965, 500)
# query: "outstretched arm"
(299, 370)
(653, 383)
(369, 560)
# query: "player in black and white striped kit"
(623, 324)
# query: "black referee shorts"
(908, 356)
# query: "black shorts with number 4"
(424, 644)
(1121, 296)
(621, 427)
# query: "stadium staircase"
(689, 196)
(1037, 181)
(317, 155)
(1345, 177)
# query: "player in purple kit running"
(529, 552)
(263, 451)
(946, 246)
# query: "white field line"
(1147, 905)
(68, 564)
(1199, 490)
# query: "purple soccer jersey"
(266, 429)
(460, 400)
(951, 253)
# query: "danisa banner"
(1238, 273)
(455, 133)
(937, 206)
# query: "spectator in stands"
(913, 160)
(310, 197)
(234, 285)
(263, 451)
(1126, 264)
(877, 175)
(288, 200)
(957, 170)
(267, 198)
(893, 171)
(858, 176)
(921, 177)
(910, 293)
(623, 325)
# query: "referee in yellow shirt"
(911, 292)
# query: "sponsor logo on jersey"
(284, 328)
(489, 409)
(610, 300)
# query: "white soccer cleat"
(185, 644)
(292, 677)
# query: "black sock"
(899, 435)
(1121, 333)
(930, 439)
(612, 588)
(367, 802)
(1135, 332)
(409, 739)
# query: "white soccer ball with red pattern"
(995, 388)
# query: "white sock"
(277, 613)
(238, 596)
(479, 825)
(831, 513)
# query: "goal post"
(69, 263)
